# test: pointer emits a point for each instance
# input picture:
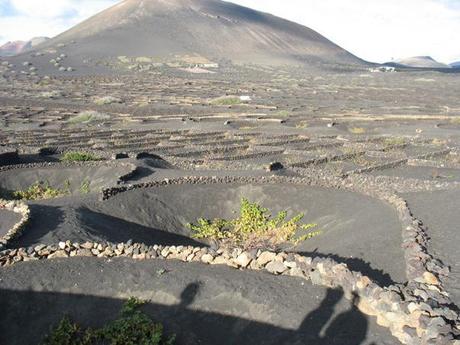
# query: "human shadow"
(27, 316)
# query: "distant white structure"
(245, 98)
(382, 69)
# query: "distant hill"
(196, 30)
(12, 48)
(18, 47)
(455, 64)
(420, 62)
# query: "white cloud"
(375, 30)
(378, 30)
(32, 18)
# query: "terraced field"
(373, 159)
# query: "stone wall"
(16, 207)
(416, 312)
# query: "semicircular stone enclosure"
(342, 216)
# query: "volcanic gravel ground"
(439, 212)
(201, 305)
(7, 220)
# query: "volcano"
(212, 30)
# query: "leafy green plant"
(88, 116)
(77, 156)
(357, 130)
(283, 113)
(39, 191)
(107, 100)
(254, 228)
(85, 187)
(226, 100)
(132, 327)
(396, 141)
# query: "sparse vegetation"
(77, 156)
(51, 94)
(132, 327)
(106, 100)
(85, 187)
(455, 121)
(302, 124)
(88, 116)
(39, 191)
(226, 100)
(284, 113)
(254, 228)
(396, 141)
(357, 130)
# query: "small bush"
(226, 100)
(254, 228)
(51, 94)
(283, 113)
(39, 191)
(88, 116)
(132, 327)
(76, 156)
(357, 130)
(107, 100)
(85, 187)
(397, 141)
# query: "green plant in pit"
(302, 124)
(397, 141)
(85, 187)
(107, 100)
(254, 228)
(132, 327)
(227, 100)
(39, 191)
(88, 116)
(283, 113)
(76, 156)
(357, 130)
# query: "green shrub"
(254, 228)
(396, 141)
(132, 327)
(357, 130)
(51, 94)
(226, 100)
(107, 100)
(39, 191)
(283, 113)
(88, 116)
(77, 156)
(85, 187)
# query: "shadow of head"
(189, 294)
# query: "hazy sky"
(376, 30)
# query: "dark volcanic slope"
(209, 28)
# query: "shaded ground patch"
(200, 304)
